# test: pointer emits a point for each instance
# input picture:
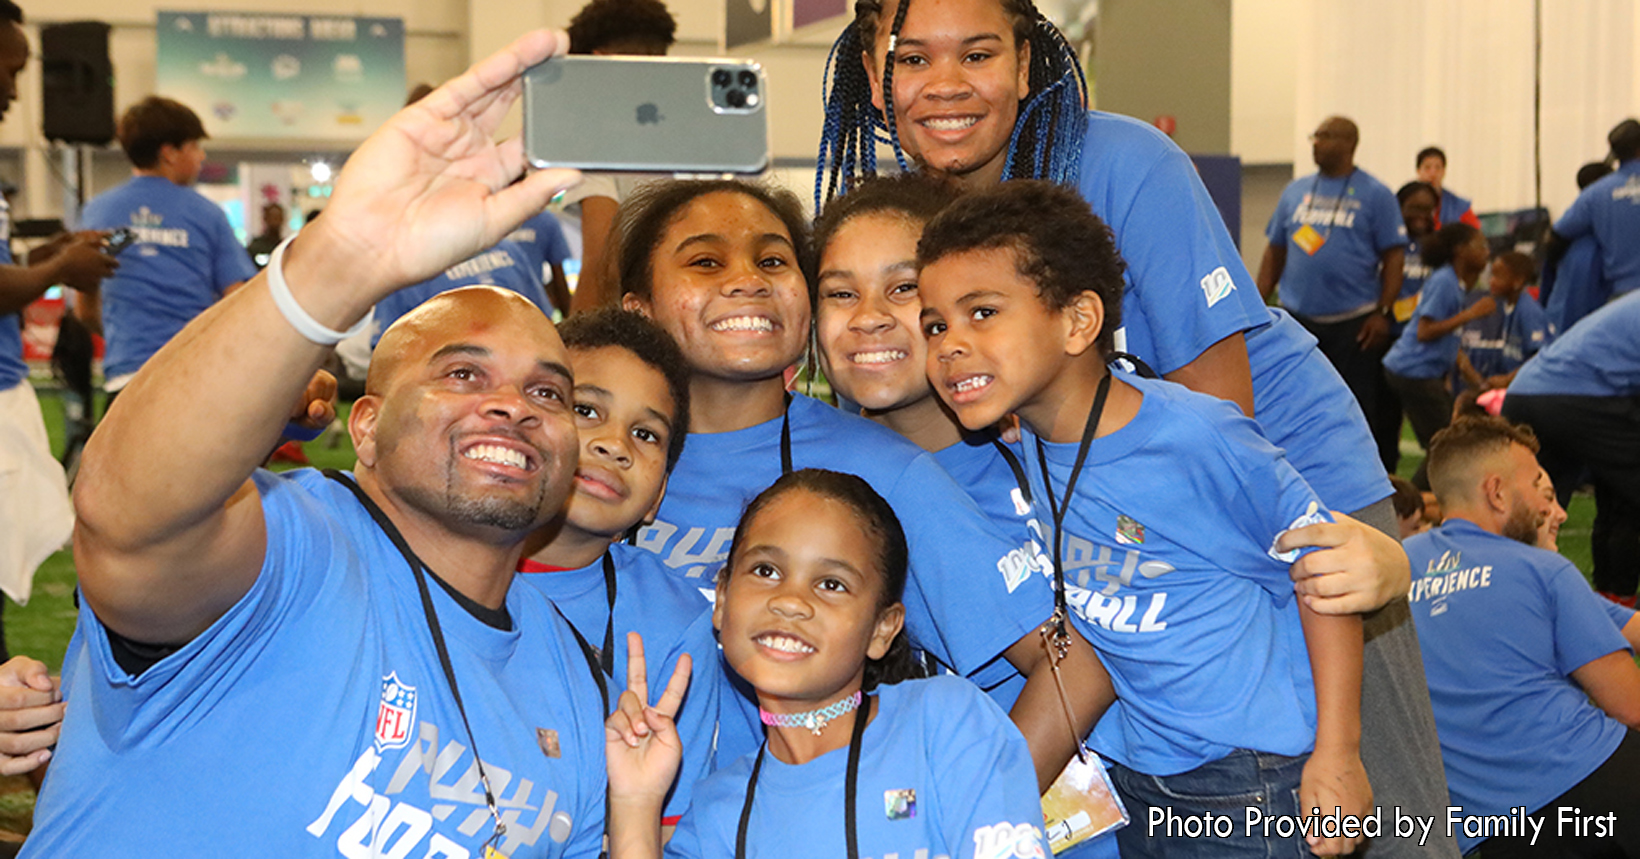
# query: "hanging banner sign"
(272, 76)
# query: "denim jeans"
(1225, 788)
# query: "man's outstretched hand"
(432, 186)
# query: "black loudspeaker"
(77, 82)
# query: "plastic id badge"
(1404, 308)
(1308, 240)
(1081, 804)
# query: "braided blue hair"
(1052, 121)
(1047, 139)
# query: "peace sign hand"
(641, 741)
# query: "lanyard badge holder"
(1308, 238)
(1081, 804)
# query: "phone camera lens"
(748, 79)
(736, 98)
(721, 78)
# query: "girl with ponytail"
(1418, 364)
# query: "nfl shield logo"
(396, 717)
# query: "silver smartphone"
(647, 115)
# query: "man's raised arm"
(170, 532)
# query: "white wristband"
(298, 318)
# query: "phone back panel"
(652, 115)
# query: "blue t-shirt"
(942, 772)
(976, 465)
(1502, 626)
(1501, 342)
(1609, 210)
(184, 256)
(1442, 298)
(12, 367)
(1303, 406)
(1620, 614)
(1598, 357)
(1169, 572)
(313, 718)
(1575, 285)
(652, 602)
(506, 265)
(1414, 271)
(1359, 219)
(1186, 289)
(969, 595)
(542, 240)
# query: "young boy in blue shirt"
(185, 256)
(1168, 516)
(631, 403)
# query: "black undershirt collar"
(495, 618)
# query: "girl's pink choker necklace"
(814, 720)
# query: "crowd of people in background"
(1465, 316)
(1101, 525)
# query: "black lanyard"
(421, 571)
(606, 657)
(1139, 366)
(1058, 509)
(601, 663)
(786, 436)
(1339, 204)
(851, 787)
(1018, 468)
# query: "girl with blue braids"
(982, 140)
(988, 90)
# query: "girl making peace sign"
(809, 613)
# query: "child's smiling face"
(798, 612)
(994, 346)
(959, 76)
(625, 419)
(727, 286)
(871, 344)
